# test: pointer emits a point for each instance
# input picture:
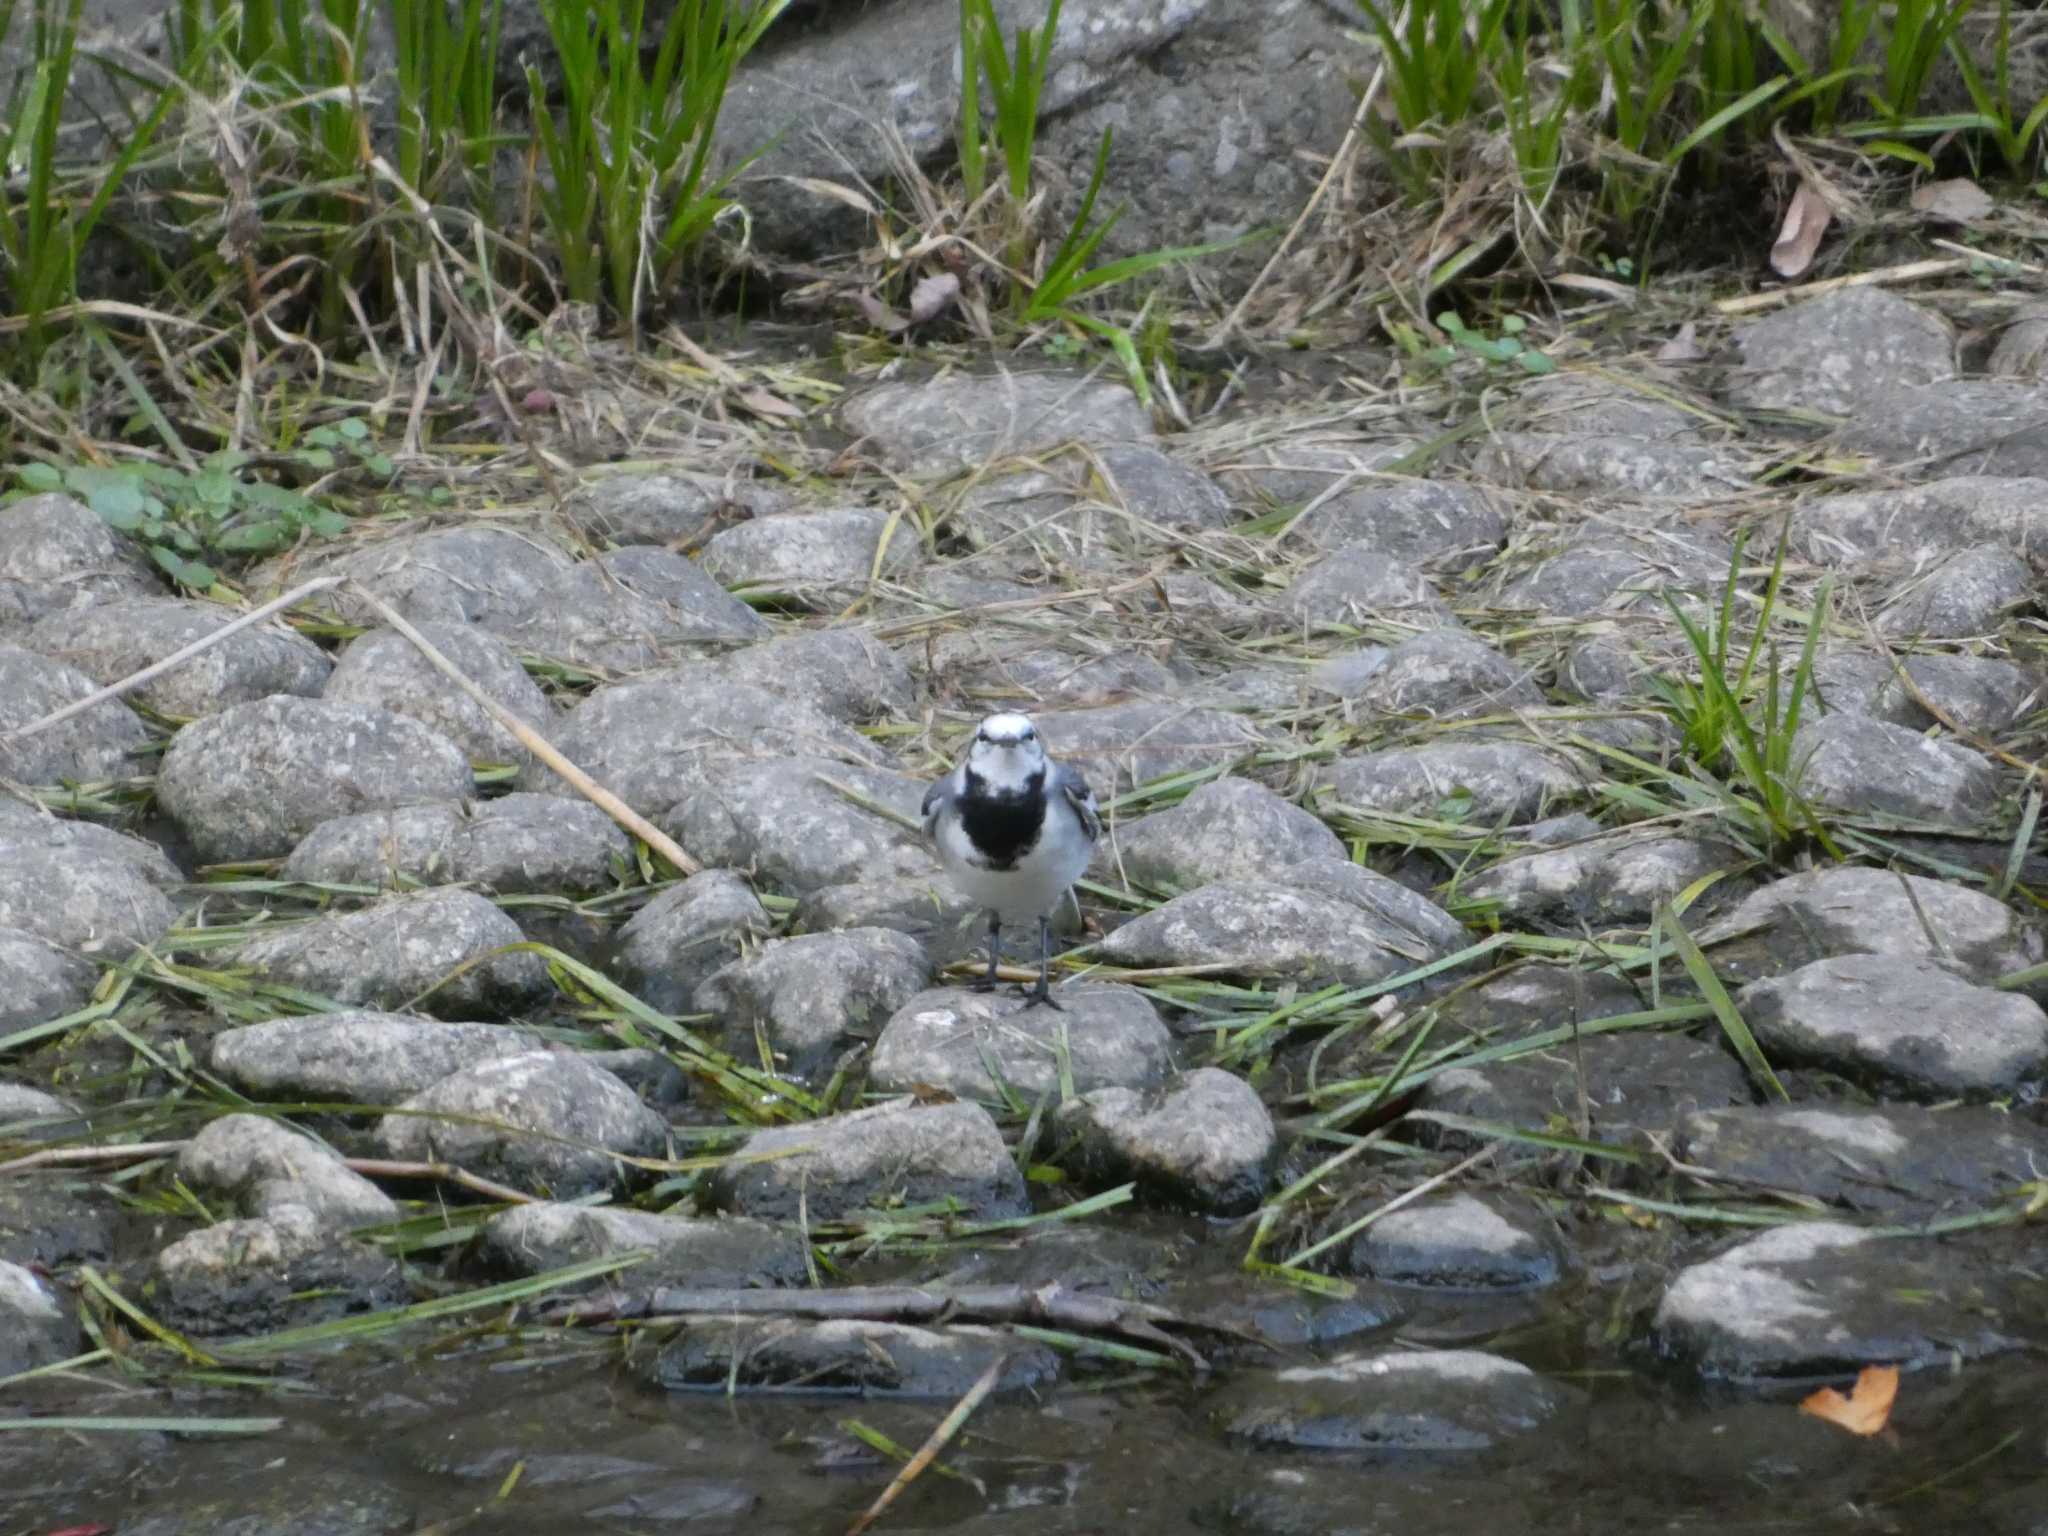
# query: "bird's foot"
(1041, 996)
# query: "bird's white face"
(1006, 753)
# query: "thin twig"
(385, 1168)
(927, 1453)
(1908, 272)
(535, 743)
(74, 1157)
(177, 658)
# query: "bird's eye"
(1030, 734)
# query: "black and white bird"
(1014, 831)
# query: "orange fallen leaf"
(1866, 1409)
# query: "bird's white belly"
(1032, 886)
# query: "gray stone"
(1978, 693)
(26, 824)
(664, 506)
(490, 576)
(685, 934)
(651, 743)
(2022, 348)
(57, 554)
(79, 895)
(723, 1251)
(787, 823)
(264, 1167)
(1637, 1084)
(1437, 525)
(35, 1328)
(1229, 829)
(1445, 675)
(632, 609)
(101, 743)
(989, 664)
(49, 1225)
(1904, 1025)
(401, 951)
(516, 843)
(1609, 569)
(1597, 464)
(1816, 1298)
(1202, 1142)
(958, 422)
(813, 995)
(1348, 673)
(1851, 909)
(357, 1056)
(1486, 783)
(1157, 489)
(1458, 1242)
(1292, 468)
(1357, 584)
(1827, 354)
(1915, 524)
(547, 1121)
(1899, 1163)
(1120, 746)
(820, 560)
(111, 641)
(384, 670)
(869, 1359)
(1637, 402)
(1430, 1403)
(1967, 594)
(900, 1150)
(1954, 427)
(286, 1269)
(29, 1114)
(1608, 880)
(249, 782)
(979, 1044)
(847, 674)
(923, 904)
(1532, 997)
(1866, 767)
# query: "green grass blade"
(1725, 1012)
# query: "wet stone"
(286, 1269)
(86, 896)
(1954, 427)
(1899, 1162)
(1536, 997)
(99, 744)
(1916, 524)
(1307, 930)
(1201, 1142)
(287, 1495)
(357, 1056)
(547, 1122)
(29, 1114)
(1446, 674)
(839, 1357)
(403, 948)
(57, 554)
(1458, 1242)
(813, 995)
(1231, 829)
(631, 609)
(1820, 1299)
(249, 782)
(1485, 782)
(1827, 354)
(1437, 525)
(1638, 1084)
(1856, 910)
(821, 560)
(795, 828)
(1599, 464)
(515, 843)
(1970, 593)
(51, 1226)
(945, 425)
(384, 670)
(264, 1168)
(35, 1327)
(1357, 584)
(1120, 746)
(640, 507)
(899, 1150)
(111, 641)
(652, 743)
(726, 1252)
(687, 932)
(1902, 1025)
(1868, 767)
(961, 1040)
(486, 576)
(1605, 880)
(1455, 1400)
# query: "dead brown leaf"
(1957, 201)
(933, 295)
(1806, 220)
(1682, 348)
(1867, 1408)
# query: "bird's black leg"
(1042, 993)
(995, 928)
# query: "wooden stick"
(535, 743)
(928, 1453)
(177, 658)
(385, 1168)
(1910, 272)
(74, 1157)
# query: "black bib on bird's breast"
(1003, 828)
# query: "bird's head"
(1006, 754)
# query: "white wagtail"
(1015, 830)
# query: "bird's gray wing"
(1081, 798)
(935, 800)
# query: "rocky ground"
(1369, 981)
